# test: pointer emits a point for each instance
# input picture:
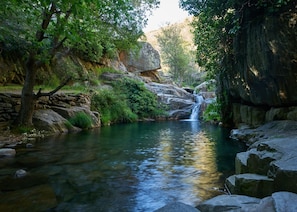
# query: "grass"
(10, 88)
(18, 89)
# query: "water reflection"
(135, 167)
(184, 169)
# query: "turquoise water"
(134, 167)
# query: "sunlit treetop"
(50, 24)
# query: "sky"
(168, 12)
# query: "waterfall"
(195, 111)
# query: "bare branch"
(39, 94)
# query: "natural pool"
(133, 167)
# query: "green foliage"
(39, 29)
(24, 129)
(81, 120)
(142, 102)
(218, 21)
(95, 28)
(68, 125)
(128, 101)
(216, 24)
(175, 53)
(112, 106)
(212, 112)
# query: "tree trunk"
(28, 98)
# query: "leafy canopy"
(217, 22)
(175, 52)
(96, 27)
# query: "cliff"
(261, 75)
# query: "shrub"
(128, 101)
(81, 120)
(112, 107)
(212, 112)
(141, 101)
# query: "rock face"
(145, 62)
(51, 113)
(270, 163)
(178, 101)
(146, 59)
(267, 170)
(264, 71)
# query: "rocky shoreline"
(265, 175)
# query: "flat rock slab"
(278, 202)
(177, 207)
(229, 203)
(285, 201)
(250, 184)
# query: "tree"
(38, 29)
(217, 23)
(174, 52)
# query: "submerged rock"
(37, 198)
(7, 152)
(20, 173)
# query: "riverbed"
(133, 167)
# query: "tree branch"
(47, 15)
(39, 94)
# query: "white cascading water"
(195, 111)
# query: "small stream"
(133, 167)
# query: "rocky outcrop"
(51, 113)
(269, 165)
(179, 103)
(144, 62)
(266, 170)
(277, 202)
(261, 75)
(146, 59)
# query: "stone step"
(253, 185)
(256, 161)
(241, 163)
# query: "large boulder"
(270, 163)
(50, 121)
(68, 113)
(179, 102)
(146, 59)
(144, 62)
(250, 184)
